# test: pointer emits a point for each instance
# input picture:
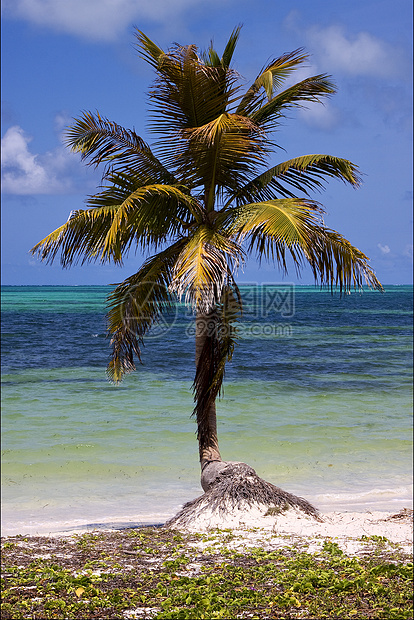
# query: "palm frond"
(148, 50)
(102, 141)
(336, 262)
(211, 57)
(270, 78)
(80, 239)
(230, 47)
(121, 215)
(227, 152)
(304, 173)
(148, 216)
(192, 96)
(277, 228)
(311, 89)
(274, 228)
(204, 266)
(135, 306)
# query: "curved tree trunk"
(206, 324)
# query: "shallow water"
(317, 399)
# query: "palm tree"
(201, 200)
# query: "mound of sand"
(347, 528)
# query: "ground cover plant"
(161, 573)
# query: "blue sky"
(62, 57)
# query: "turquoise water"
(317, 399)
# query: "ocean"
(317, 398)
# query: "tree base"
(234, 491)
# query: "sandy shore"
(350, 530)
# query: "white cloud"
(362, 54)
(385, 249)
(322, 116)
(94, 19)
(408, 250)
(25, 173)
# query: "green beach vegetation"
(162, 573)
(198, 202)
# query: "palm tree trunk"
(229, 486)
(206, 325)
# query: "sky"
(61, 57)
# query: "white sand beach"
(352, 531)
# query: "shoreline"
(348, 529)
(88, 517)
